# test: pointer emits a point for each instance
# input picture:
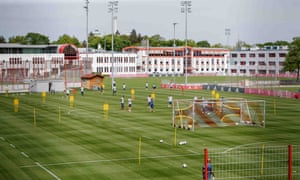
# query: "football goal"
(190, 114)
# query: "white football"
(161, 141)
(184, 165)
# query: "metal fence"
(259, 163)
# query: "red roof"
(69, 50)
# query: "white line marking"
(2, 138)
(13, 146)
(47, 170)
(230, 149)
(147, 137)
(110, 160)
(24, 154)
(193, 152)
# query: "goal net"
(189, 114)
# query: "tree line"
(123, 40)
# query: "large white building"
(266, 61)
(174, 61)
(101, 62)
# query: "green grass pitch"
(51, 140)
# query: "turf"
(52, 140)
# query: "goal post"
(218, 112)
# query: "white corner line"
(47, 170)
(13, 146)
(24, 154)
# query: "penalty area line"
(243, 145)
(47, 170)
(105, 160)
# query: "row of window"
(253, 71)
(260, 55)
(116, 69)
(178, 69)
(57, 60)
(18, 60)
(116, 59)
(179, 62)
(181, 53)
(260, 63)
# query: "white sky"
(253, 21)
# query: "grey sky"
(253, 21)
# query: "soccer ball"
(161, 141)
(184, 165)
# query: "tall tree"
(17, 39)
(66, 39)
(2, 39)
(133, 37)
(94, 41)
(203, 44)
(292, 60)
(36, 38)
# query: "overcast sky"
(252, 21)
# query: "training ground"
(51, 137)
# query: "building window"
(261, 63)
(272, 63)
(282, 54)
(234, 55)
(261, 55)
(243, 63)
(252, 55)
(252, 63)
(272, 55)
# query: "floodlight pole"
(87, 32)
(174, 51)
(112, 7)
(186, 8)
(227, 34)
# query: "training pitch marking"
(47, 170)
(24, 154)
(236, 147)
(106, 160)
